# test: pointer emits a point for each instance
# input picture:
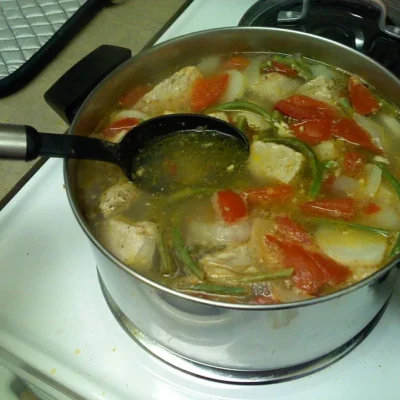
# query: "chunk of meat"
(320, 88)
(172, 94)
(228, 263)
(133, 244)
(274, 162)
(118, 197)
(218, 233)
(274, 87)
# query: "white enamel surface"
(57, 332)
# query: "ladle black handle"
(22, 142)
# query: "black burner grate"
(345, 21)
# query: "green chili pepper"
(283, 273)
(241, 123)
(316, 167)
(354, 225)
(214, 289)
(346, 106)
(389, 176)
(184, 255)
(188, 192)
(167, 265)
(241, 106)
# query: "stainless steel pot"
(236, 337)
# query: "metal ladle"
(22, 142)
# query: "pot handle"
(391, 30)
(67, 95)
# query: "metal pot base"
(235, 376)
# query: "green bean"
(241, 123)
(188, 192)
(183, 254)
(346, 106)
(354, 225)
(214, 289)
(389, 176)
(268, 276)
(308, 152)
(241, 106)
(167, 266)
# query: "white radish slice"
(236, 86)
(322, 70)
(209, 65)
(128, 114)
(253, 70)
(350, 247)
(373, 179)
(386, 218)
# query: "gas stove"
(56, 329)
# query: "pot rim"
(255, 307)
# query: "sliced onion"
(346, 185)
(236, 86)
(253, 70)
(371, 127)
(128, 114)
(322, 70)
(373, 179)
(209, 65)
(391, 124)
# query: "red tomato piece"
(311, 270)
(342, 208)
(119, 126)
(313, 131)
(371, 208)
(291, 231)
(129, 99)
(361, 98)
(230, 206)
(207, 91)
(284, 69)
(353, 163)
(306, 108)
(350, 131)
(237, 62)
(267, 194)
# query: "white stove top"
(57, 332)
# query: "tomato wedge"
(361, 98)
(305, 108)
(350, 131)
(313, 131)
(353, 163)
(371, 208)
(311, 270)
(207, 91)
(268, 194)
(291, 231)
(237, 62)
(342, 208)
(230, 206)
(119, 126)
(129, 99)
(284, 69)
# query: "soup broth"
(312, 209)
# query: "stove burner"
(235, 376)
(345, 21)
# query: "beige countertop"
(127, 23)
